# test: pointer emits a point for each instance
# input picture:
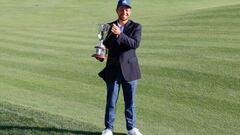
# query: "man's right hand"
(100, 59)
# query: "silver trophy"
(101, 50)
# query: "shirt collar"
(120, 26)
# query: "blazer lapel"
(126, 27)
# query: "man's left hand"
(116, 30)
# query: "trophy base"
(99, 56)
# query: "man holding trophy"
(122, 68)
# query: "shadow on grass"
(56, 130)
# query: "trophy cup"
(101, 50)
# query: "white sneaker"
(107, 132)
(134, 131)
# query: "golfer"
(122, 68)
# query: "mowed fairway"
(189, 56)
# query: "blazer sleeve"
(134, 40)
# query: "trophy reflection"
(101, 50)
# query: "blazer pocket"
(132, 60)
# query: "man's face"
(123, 12)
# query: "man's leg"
(129, 92)
(112, 97)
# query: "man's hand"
(115, 29)
(100, 59)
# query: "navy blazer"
(122, 53)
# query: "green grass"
(189, 56)
(25, 120)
